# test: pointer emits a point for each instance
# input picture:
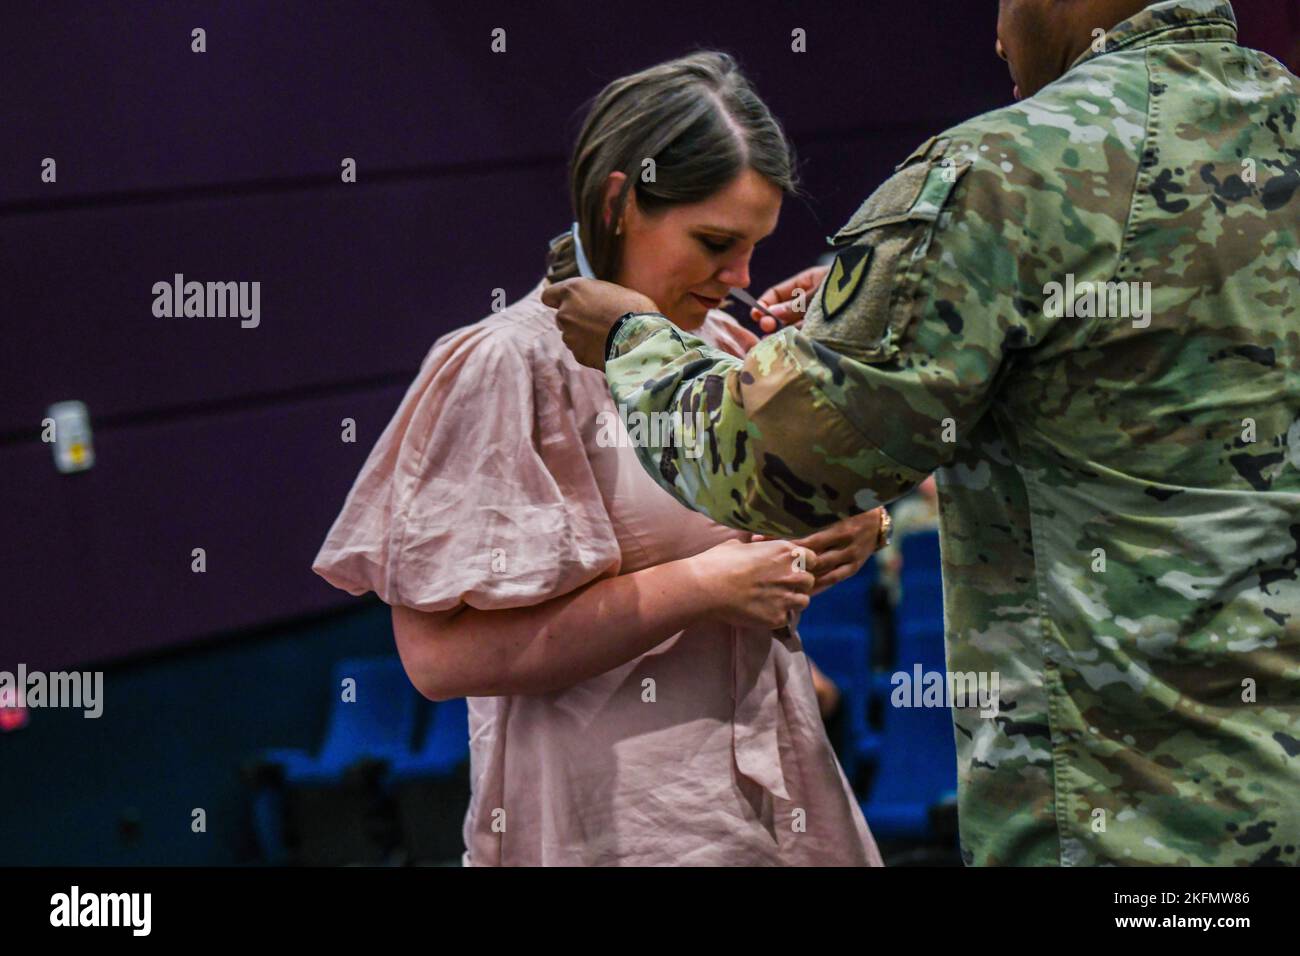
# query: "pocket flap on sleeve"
(918, 191)
(890, 203)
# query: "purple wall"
(225, 166)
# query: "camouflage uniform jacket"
(1083, 311)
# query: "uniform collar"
(1173, 21)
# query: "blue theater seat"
(917, 769)
(444, 749)
(836, 633)
(377, 726)
(920, 611)
(362, 737)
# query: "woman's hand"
(841, 549)
(781, 300)
(756, 585)
(585, 309)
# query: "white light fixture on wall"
(68, 430)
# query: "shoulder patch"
(869, 296)
(845, 278)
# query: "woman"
(635, 697)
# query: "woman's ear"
(613, 186)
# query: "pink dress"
(490, 488)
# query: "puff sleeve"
(479, 491)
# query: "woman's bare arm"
(532, 650)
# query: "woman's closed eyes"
(714, 244)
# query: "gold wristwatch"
(886, 529)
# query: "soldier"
(1082, 311)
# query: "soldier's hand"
(585, 310)
(781, 300)
(841, 549)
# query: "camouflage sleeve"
(761, 443)
(896, 360)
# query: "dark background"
(224, 166)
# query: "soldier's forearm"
(763, 445)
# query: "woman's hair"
(700, 122)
